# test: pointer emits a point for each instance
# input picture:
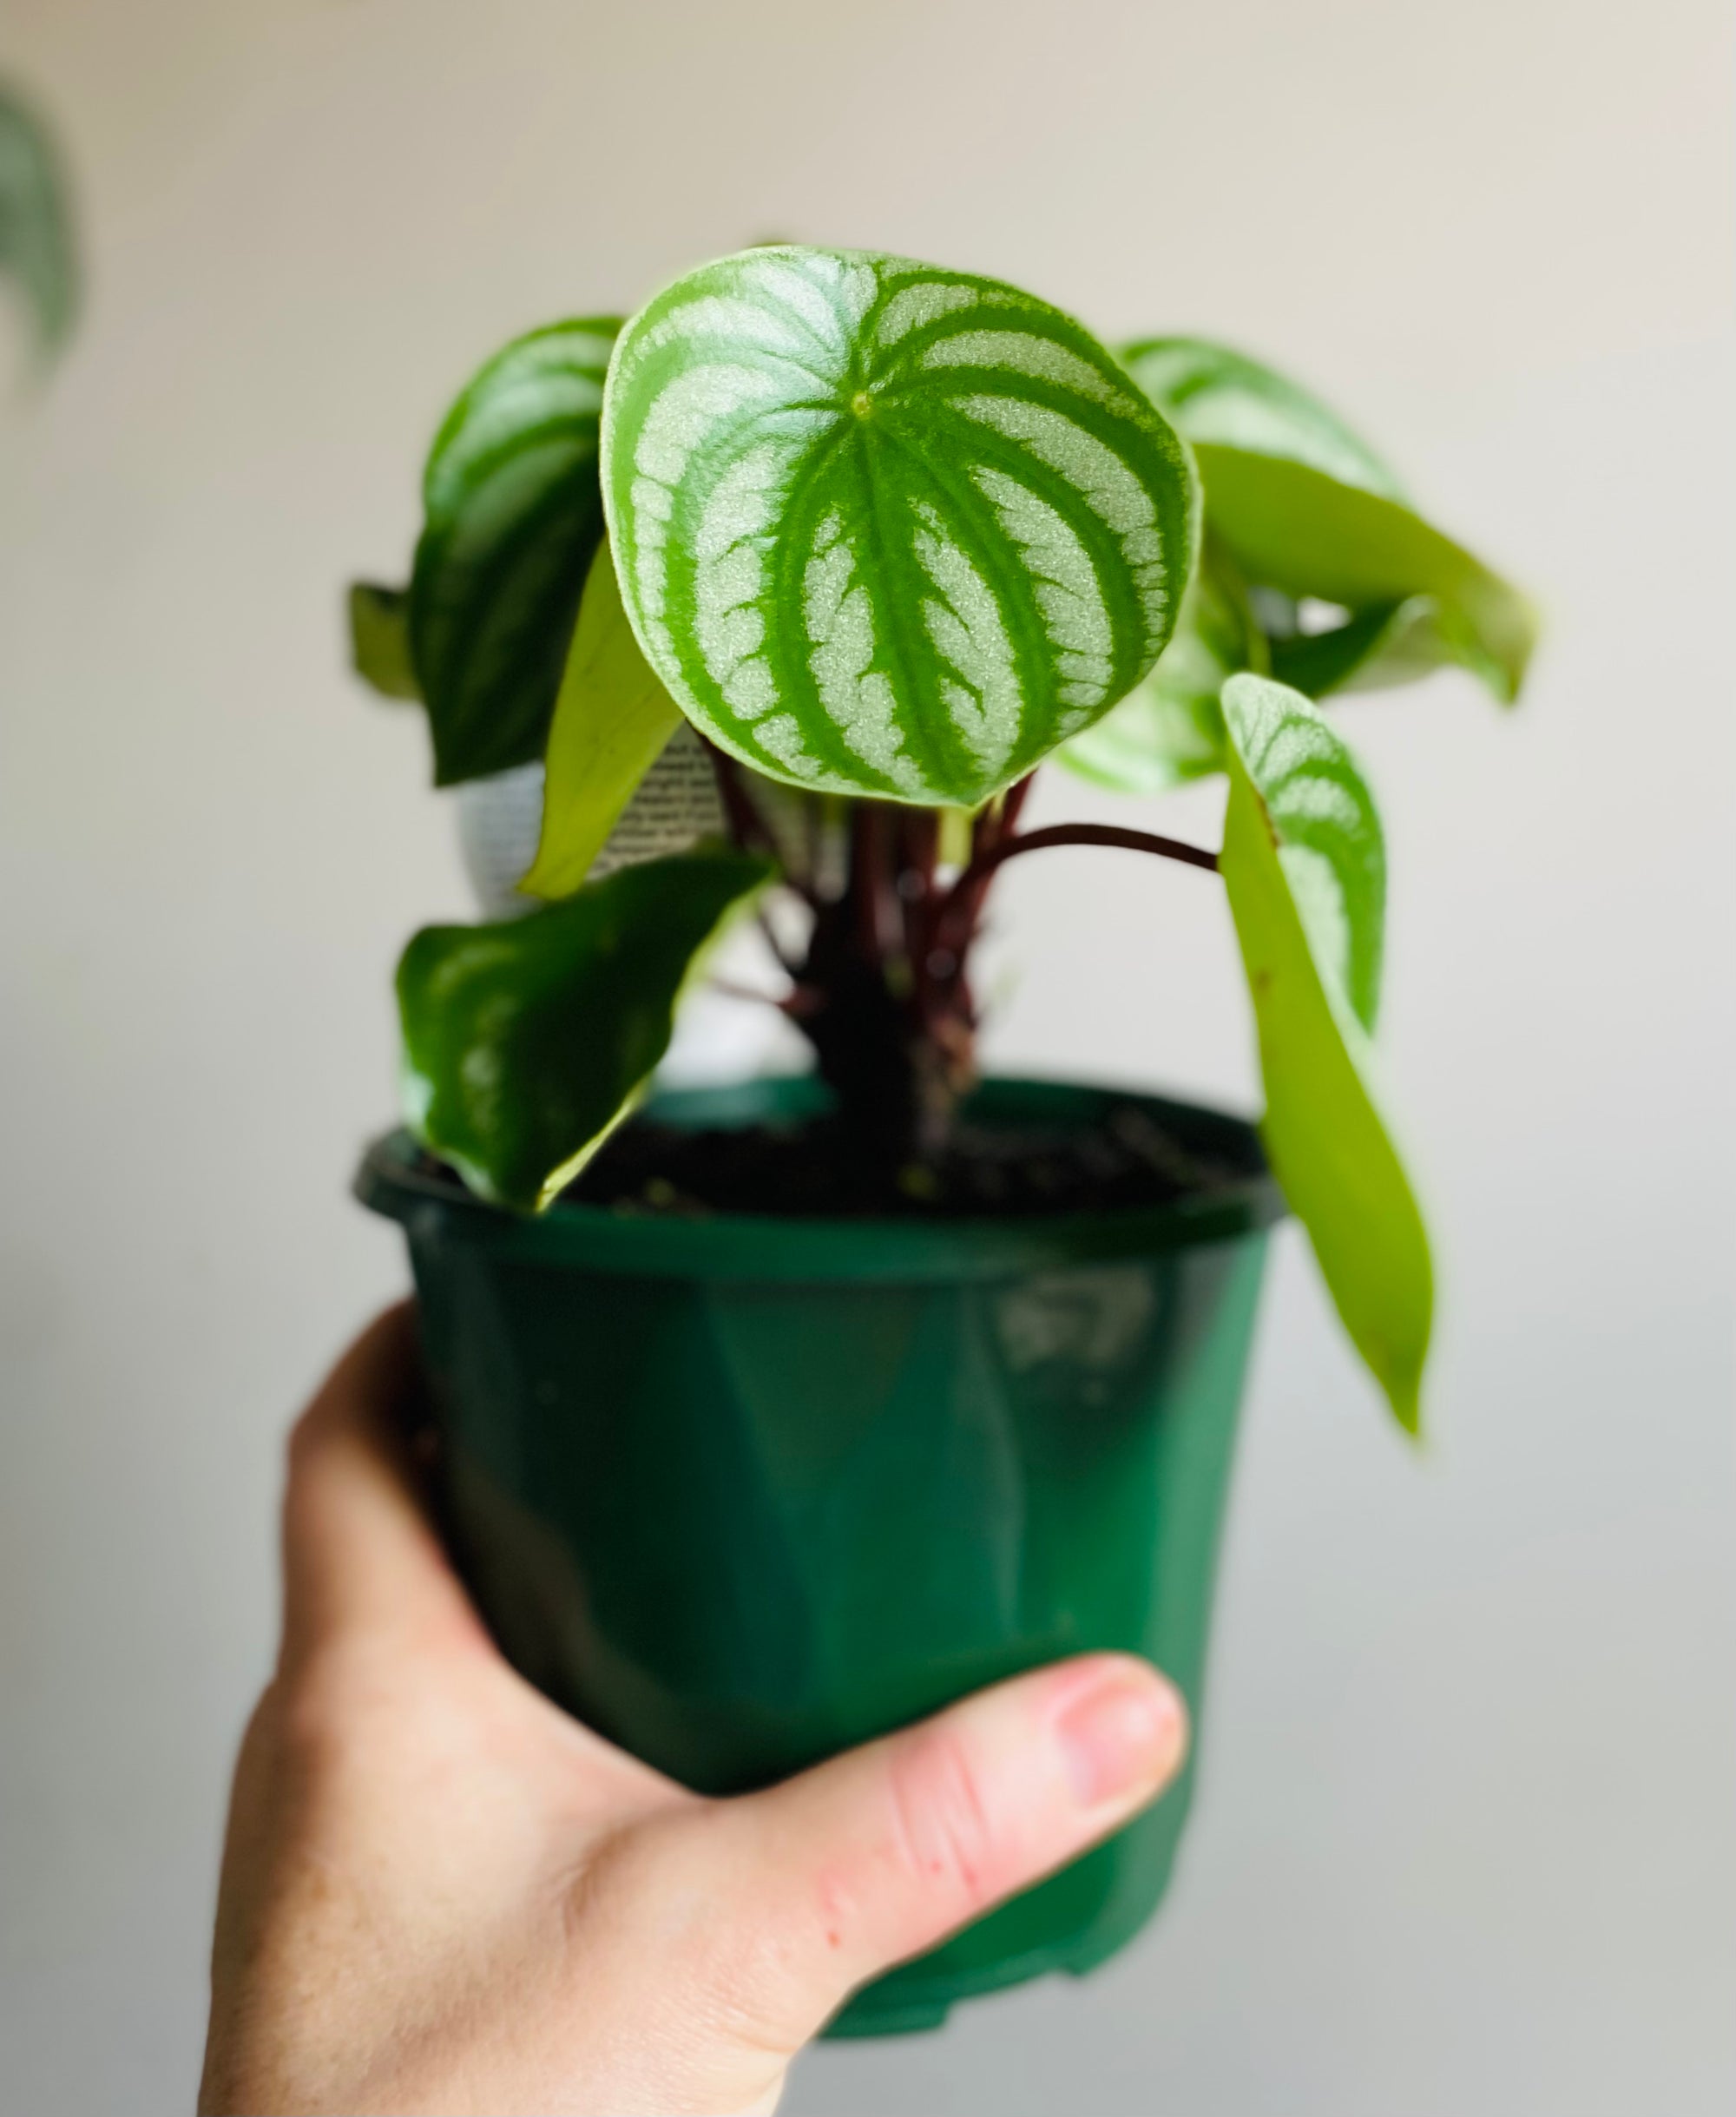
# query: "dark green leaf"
(38, 251)
(1386, 644)
(379, 639)
(613, 720)
(1305, 868)
(525, 1043)
(513, 514)
(884, 528)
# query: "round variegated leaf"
(1170, 728)
(884, 528)
(513, 514)
(1221, 398)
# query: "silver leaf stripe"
(556, 373)
(1216, 395)
(886, 530)
(1328, 839)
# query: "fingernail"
(1121, 1733)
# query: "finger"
(878, 1855)
(358, 1551)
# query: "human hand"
(440, 1893)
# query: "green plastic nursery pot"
(741, 1491)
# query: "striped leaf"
(886, 530)
(526, 1042)
(512, 516)
(1221, 398)
(1305, 507)
(1170, 728)
(1305, 867)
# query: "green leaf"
(1305, 867)
(512, 514)
(1302, 505)
(379, 639)
(1213, 394)
(525, 1042)
(37, 251)
(1292, 527)
(1170, 728)
(1315, 663)
(884, 528)
(613, 720)
(1375, 649)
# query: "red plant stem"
(958, 908)
(993, 828)
(747, 825)
(873, 882)
(768, 934)
(795, 1002)
(1011, 806)
(813, 838)
(940, 996)
(918, 842)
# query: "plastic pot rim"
(788, 1249)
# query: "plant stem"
(881, 990)
(747, 827)
(961, 909)
(958, 907)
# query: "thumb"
(877, 1855)
(359, 1552)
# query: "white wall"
(1465, 1839)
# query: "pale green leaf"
(1305, 506)
(612, 720)
(956, 837)
(512, 516)
(379, 639)
(1304, 865)
(37, 250)
(525, 1042)
(1295, 528)
(884, 528)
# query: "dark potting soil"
(808, 1169)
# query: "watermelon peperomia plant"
(888, 537)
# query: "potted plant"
(769, 1417)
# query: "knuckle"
(942, 1829)
(324, 1704)
(673, 1892)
